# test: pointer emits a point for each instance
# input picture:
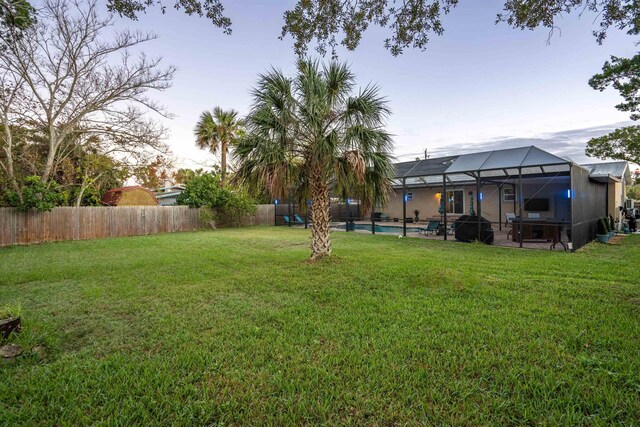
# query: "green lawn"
(234, 327)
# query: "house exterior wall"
(167, 201)
(616, 197)
(559, 201)
(426, 201)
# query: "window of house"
(508, 194)
(455, 202)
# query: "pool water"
(381, 228)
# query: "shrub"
(230, 207)
(612, 223)
(38, 195)
(601, 227)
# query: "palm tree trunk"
(320, 215)
(223, 162)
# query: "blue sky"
(478, 86)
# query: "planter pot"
(612, 233)
(7, 326)
(602, 238)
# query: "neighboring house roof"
(617, 169)
(167, 195)
(168, 191)
(169, 188)
(113, 196)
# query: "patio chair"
(509, 218)
(452, 228)
(432, 227)
(298, 219)
(287, 220)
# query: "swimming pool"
(380, 228)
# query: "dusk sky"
(479, 86)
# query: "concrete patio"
(501, 237)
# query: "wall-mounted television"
(536, 205)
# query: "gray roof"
(504, 159)
(619, 169)
(424, 167)
(505, 162)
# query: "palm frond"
(315, 122)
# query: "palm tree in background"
(312, 135)
(218, 131)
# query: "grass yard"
(233, 327)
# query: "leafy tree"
(206, 190)
(84, 170)
(218, 131)
(95, 173)
(410, 23)
(200, 191)
(621, 144)
(38, 195)
(154, 173)
(211, 9)
(314, 132)
(623, 74)
(15, 16)
(68, 74)
(182, 176)
(633, 192)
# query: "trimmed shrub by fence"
(88, 222)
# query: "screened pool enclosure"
(523, 197)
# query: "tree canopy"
(218, 131)
(409, 24)
(72, 92)
(314, 134)
(622, 74)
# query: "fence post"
(275, 212)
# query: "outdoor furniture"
(432, 227)
(298, 219)
(287, 219)
(539, 230)
(470, 228)
(509, 218)
(379, 216)
(452, 228)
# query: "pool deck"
(501, 237)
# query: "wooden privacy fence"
(88, 222)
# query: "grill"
(467, 229)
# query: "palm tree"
(311, 135)
(218, 131)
